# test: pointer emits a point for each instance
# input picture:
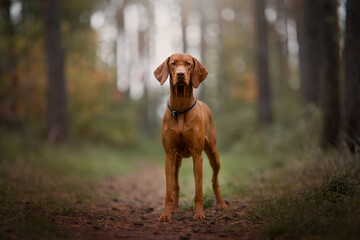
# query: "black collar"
(175, 113)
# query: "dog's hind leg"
(212, 154)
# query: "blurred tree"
(223, 78)
(351, 124)
(282, 42)
(184, 5)
(265, 111)
(203, 23)
(57, 102)
(120, 24)
(312, 47)
(330, 85)
(149, 106)
(297, 10)
(10, 109)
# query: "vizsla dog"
(188, 129)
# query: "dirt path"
(134, 215)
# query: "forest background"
(78, 98)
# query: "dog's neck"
(181, 97)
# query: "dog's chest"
(180, 139)
(179, 127)
(181, 131)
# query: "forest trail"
(135, 214)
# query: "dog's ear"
(199, 73)
(162, 72)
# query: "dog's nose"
(180, 74)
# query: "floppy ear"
(162, 72)
(199, 73)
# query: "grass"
(250, 155)
(236, 177)
(321, 202)
(295, 190)
(188, 205)
(39, 181)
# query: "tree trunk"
(223, 78)
(123, 76)
(57, 102)
(184, 22)
(330, 94)
(351, 124)
(297, 7)
(312, 51)
(10, 64)
(149, 118)
(265, 111)
(203, 24)
(282, 45)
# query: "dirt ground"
(135, 214)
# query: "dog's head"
(183, 69)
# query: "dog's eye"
(188, 64)
(173, 63)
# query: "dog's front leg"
(169, 174)
(198, 173)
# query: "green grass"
(32, 219)
(39, 181)
(294, 189)
(250, 155)
(188, 205)
(237, 175)
(322, 201)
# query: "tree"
(10, 63)
(122, 71)
(203, 23)
(149, 105)
(265, 111)
(282, 43)
(57, 102)
(297, 8)
(312, 45)
(223, 76)
(184, 5)
(330, 86)
(351, 121)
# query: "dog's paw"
(222, 206)
(175, 209)
(199, 216)
(165, 217)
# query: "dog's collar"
(175, 113)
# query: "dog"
(188, 128)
